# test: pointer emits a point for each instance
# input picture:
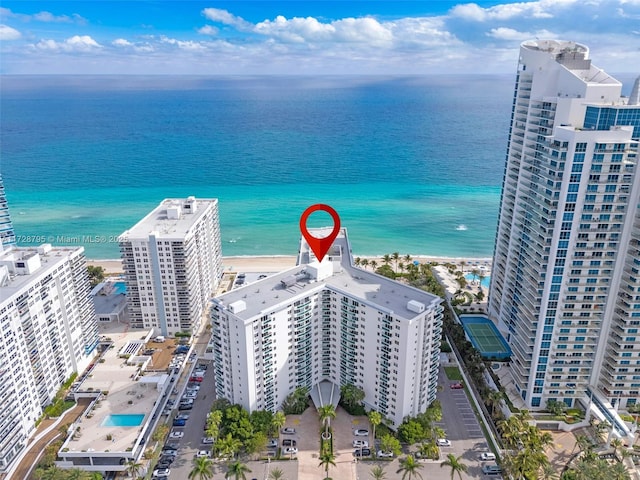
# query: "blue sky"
(305, 37)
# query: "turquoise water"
(412, 164)
(485, 281)
(123, 420)
(120, 287)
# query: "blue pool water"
(123, 420)
(120, 287)
(485, 280)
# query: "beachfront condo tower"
(565, 285)
(49, 332)
(172, 261)
(7, 235)
(322, 325)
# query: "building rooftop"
(107, 299)
(336, 272)
(117, 374)
(21, 265)
(172, 219)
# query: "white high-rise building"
(7, 235)
(565, 285)
(328, 322)
(172, 261)
(48, 332)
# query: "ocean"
(412, 164)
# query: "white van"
(159, 339)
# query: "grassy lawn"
(453, 373)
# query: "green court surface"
(485, 337)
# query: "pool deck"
(128, 393)
(451, 285)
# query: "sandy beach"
(270, 264)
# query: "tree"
(373, 264)
(351, 396)
(555, 407)
(133, 468)
(455, 464)
(386, 259)
(237, 470)
(96, 274)
(276, 474)
(411, 431)
(389, 443)
(255, 444)
(202, 469)
(357, 261)
(409, 468)
(378, 473)
(375, 418)
(327, 459)
(160, 433)
(548, 472)
(395, 256)
(214, 419)
(326, 412)
(227, 446)
(296, 402)
(278, 421)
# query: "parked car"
(179, 422)
(288, 431)
(443, 442)
(456, 386)
(193, 386)
(207, 440)
(176, 434)
(486, 456)
(161, 473)
(362, 452)
(361, 432)
(196, 379)
(491, 469)
(190, 395)
(183, 416)
(171, 446)
(383, 454)
(360, 443)
(290, 451)
(167, 458)
(170, 452)
(203, 453)
(272, 443)
(288, 443)
(199, 373)
(185, 406)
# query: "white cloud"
(121, 42)
(539, 9)
(77, 43)
(223, 16)
(184, 45)
(8, 33)
(51, 18)
(208, 30)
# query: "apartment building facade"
(49, 332)
(7, 234)
(172, 261)
(328, 322)
(565, 287)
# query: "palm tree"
(326, 412)
(493, 400)
(278, 421)
(237, 470)
(548, 472)
(409, 468)
(395, 256)
(133, 468)
(375, 418)
(53, 473)
(202, 469)
(364, 263)
(276, 474)
(408, 259)
(373, 264)
(76, 474)
(401, 266)
(616, 443)
(326, 459)
(228, 445)
(386, 259)
(357, 261)
(378, 473)
(456, 465)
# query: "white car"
(288, 431)
(443, 442)
(383, 454)
(361, 432)
(176, 434)
(360, 443)
(272, 443)
(207, 440)
(290, 451)
(486, 456)
(161, 473)
(203, 453)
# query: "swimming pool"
(123, 420)
(485, 281)
(119, 287)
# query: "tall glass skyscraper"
(565, 286)
(7, 235)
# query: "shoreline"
(277, 263)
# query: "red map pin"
(320, 246)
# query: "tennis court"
(485, 337)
